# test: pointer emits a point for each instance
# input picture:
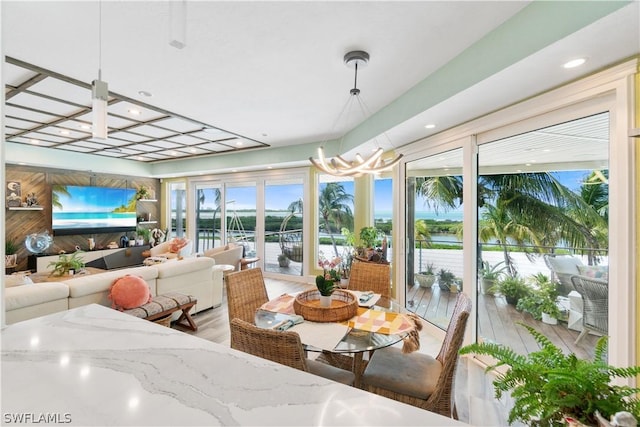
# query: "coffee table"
(46, 276)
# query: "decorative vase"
(10, 260)
(425, 280)
(344, 283)
(325, 301)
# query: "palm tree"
(56, 191)
(335, 210)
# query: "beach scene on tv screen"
(92, 207)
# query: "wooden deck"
(497, 321)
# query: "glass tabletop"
(354, 341)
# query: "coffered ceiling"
(270, 75)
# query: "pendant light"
(338, 165)
(99, 92)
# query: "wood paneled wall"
(19, 224)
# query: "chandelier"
(338, 165)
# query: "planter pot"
(425, 280)
(344, 283)
(444, 287)
(550, 320)
(486, 285)
(10, 260)
(284, 263)
(511, 300)
(325, 301)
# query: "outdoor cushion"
(414, 374)
(595, 271)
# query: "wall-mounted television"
(92, 210)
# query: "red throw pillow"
(129, 292)
(177, 244)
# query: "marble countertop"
(96, 366)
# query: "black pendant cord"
(355, 90)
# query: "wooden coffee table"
(46, 276)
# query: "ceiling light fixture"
(177, 24)
(574, 63)
(99, 92)
(338, 165)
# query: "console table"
(96, 366)
(105, 259)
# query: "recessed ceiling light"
(140, 158)
(83, 126)
(193, 150)
(135, 112)
(34, 141)
(239, 143)
(64, 132)
(430, 126)
(174, 153)
(234, 170)
(575, 63)
(144, 93)
(269, 167)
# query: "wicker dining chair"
(246, 292)
(595, 305)
(417, 378)
(283, 347)
(370, 276)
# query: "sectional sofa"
(194, 276)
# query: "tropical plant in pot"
(427, 277)
(489, 274)
(66, 263)
(541, 301)
(10, 253)
(445, 279)
(548, 385)
(512, 288)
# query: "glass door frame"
(610, 91)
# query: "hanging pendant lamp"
(338, 165)
(99, 92)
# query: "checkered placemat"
(381, 321)
(282, 304)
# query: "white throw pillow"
(17, 280)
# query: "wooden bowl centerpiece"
(344, 306)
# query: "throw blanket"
(368, 320)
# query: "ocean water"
(386, 215)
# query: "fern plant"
(547, 385)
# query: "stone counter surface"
(96, 366)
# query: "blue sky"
(94, 199)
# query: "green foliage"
(429, 269)
(143, 232)
(10, 247)
(541, 298)
(492, 272)
(547, 384)
(326, 286)
(446, 277)
(368, 236)
(513, 288)
(67, 262)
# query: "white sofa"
(193, 276)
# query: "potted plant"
(10, 253)
(445, 279)
(512, 288)
(326, 284)
(67, 264)
(490, 274)
(142, 235)
(541, 301)
(283, 260)
(142, 193)
(548, 385)
(427, 277)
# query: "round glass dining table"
(355, 341)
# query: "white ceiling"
(273, 72)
